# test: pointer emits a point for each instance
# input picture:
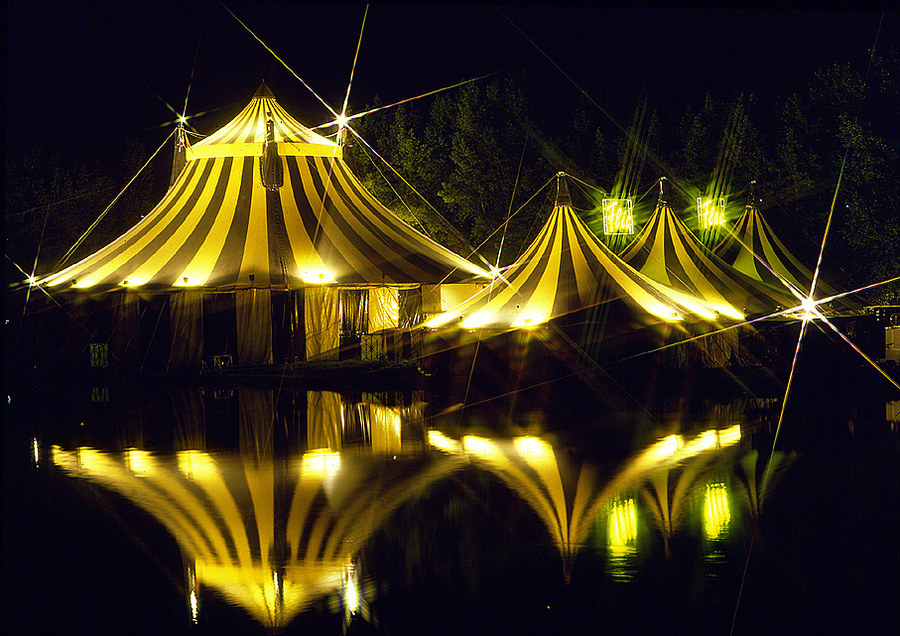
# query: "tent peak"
(263, 91)
(562, 191)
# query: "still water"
(141, 508)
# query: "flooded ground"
(556, 508)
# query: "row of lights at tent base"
(311, 277)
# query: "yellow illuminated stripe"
(703, 285)
(261, 483)
(655, 265)
(203, 261)
(540, 305)
(255, 149)
(74, 271)
(98, 467)
(616, 269)
(305, 255)
(586, 281)
(405, 235)
(256, 245)
(304, 494)
(161, 257)
(202, 468)
(331, 176)
(134, 247)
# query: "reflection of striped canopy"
(218, 225)
(564, 270)
(666, 251)
(752, 248)
(267, 534)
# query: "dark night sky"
(89, 73)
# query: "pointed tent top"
(562, 191)
(263, 91)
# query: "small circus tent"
(752, 248)
(666, 251)
(266, 218)
(565, 270)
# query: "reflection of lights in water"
(37, 452)
(480, 446)
(196, 464)
(320, 463)
(194, 606)
(622, 538)
(533, 447)
(138, 461)
(716, 512)
(351, 590)
(442, 442)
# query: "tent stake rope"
(112, 203)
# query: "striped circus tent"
(222, 224)
(666, 251)
(753, 249)
(567, 269)
(264, 206)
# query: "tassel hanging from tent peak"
(270, 171)
(179, 159)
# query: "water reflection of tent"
(666, 251)
(567, 269)
(568, 496)
(264, 210)
(270, 533)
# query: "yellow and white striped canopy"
(567, 269)
(666, 251)
(218, 225)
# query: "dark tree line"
(473, 167)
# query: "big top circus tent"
(266, 217)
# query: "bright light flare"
(533, 448)
(317, 276)
(477, 320)
(196, 464)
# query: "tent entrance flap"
(323, 323)
(253, 308)
(186, 319)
